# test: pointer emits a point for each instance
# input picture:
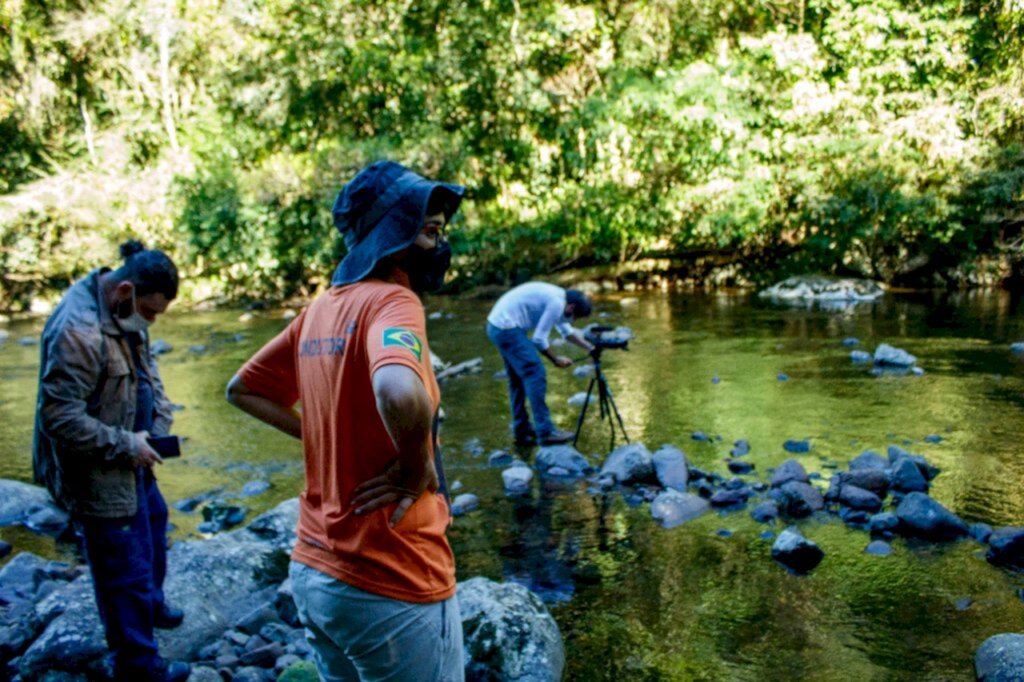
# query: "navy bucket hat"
(381, 211)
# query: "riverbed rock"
(928, 470)
(565, 456)
(740, 448)
(869, 459)
(499, 458)
(798, 499)
(628, 463)
(797, 447)
(860, 357)
(739, 466)
(211, 580)
(1000, 658)
(878, 548)
(980, 532)
(18, 500)
(671, 467)
(766, 512)
(580, 399)
(464, 504)
(730, 498)
(1006, 547)
(254, 488)
(219, 516)
(583, 372)
(517, 479)
(508, 633)
(873, 479)
(823, 288)
(795, 552)
(160, 347)
(906, 477)
(921, 516)
(885, 522)
(672, 508)
(858, 498)
(891, 356)
(790, 470)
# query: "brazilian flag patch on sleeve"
(396, 336)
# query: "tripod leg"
(583, 411)
(615, 411)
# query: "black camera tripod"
(606, 402)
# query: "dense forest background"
(745, 139)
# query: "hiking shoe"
(556, 437)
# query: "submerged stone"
(795, 552)
(797, 446)
(1000, 658)
(670, 466)
(921, 516)
(630, 462)
(673, 508)
(893, 357)
(878, 548)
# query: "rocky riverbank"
(240, 619)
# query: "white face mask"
(134, 322)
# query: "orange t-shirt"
(325, 359)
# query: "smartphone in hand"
(166, 446)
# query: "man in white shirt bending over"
(538, 306)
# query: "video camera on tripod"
(603, 336)
(599, 336)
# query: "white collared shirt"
(535, 305)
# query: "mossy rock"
(303, 671)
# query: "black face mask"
(427, 267)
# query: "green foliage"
(853, 136)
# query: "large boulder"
(508, 633)
(671, 467)
(672, 508)
(795, 552)
(627, 463)
(211, 580)
(562, 456)
(875, 480)
(1006, 547)
(1000, 658)
(928, 470)
(823, 288)
(921, 516)
(18, 501)
(869, 459)
(858, 498)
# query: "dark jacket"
(83, 445)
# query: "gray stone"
(508, 633)
(790, 470)
(464, 504)
(928, 470)
(980, 532)
(886, 522)
(921, 516)
(798, 499)
(850, 341)
(878, 548)
(202, 673)
(564, 456)
(47, 519)
(28, 341)
(517, 479)
(795, 552)
(869, 459)
(211, 580)
(729, 498)
(254, 488)
(797, 447)
(264, 656)
(858, 498)
(1006, 546)
(5, 549)
(1017, 347)
(823, 288)
(738, 466)
(583, 372)
(893, 357)
(17, 499)
(671, 467)
(672, 508)
(1000, 658)
(160, 347)
(860, 357)
(24, 574)
(766, 512)
(580, 399)
(906, 477)
(499, 458)
(628, 463)
(284, 604)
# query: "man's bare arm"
(405, 408)
(285, 419)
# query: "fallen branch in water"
(473, 365)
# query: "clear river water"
(705, 600)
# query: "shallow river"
(635, 601)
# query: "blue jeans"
(527, 380)
(128, 560)
(358, 636)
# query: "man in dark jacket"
(100, 399)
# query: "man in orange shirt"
(372, 572)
